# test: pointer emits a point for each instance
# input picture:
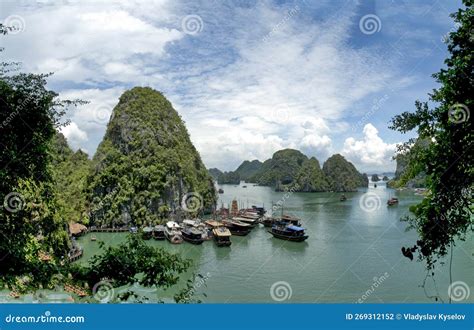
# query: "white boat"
(252, 222)
(173, 232)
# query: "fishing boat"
(237, 228)
(173, 232)
(192, 235)
(288, 232)
(222, 236)
(343, 198)
(147, 232)
(392, 201)
(159, 232)
(221, 191)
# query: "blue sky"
(249, 78)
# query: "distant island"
(291, 169)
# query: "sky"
(248, 77)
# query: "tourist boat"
(147, 232)
(159, 232)
(192, 235)
(343, 198)
(213, 223)
(173, 232)
(290, 219)
(260, 210)
(251, 222)
(268, 221)
(221, 191)
(237, 228)
(222, 236)
(392, 201)
(288, 232)
(250, 215)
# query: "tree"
(34, 243)
(446, 214)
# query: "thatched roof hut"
(77, 229)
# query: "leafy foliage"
(145, 164)
(342, 175)
(446, 213)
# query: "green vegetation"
(310, 177)
(146, 164)
(71, 170)
(214, 173)
(407, 176)
(290, 169)
(42, 183)
(342, 175)
(446, 214)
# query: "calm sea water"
(352, 253)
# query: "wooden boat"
(147, 232)
(93, 238)
(392, 201)
(268, 222)
(375, 185)
(222, 236)
(192, 235)
(250, 215)
(221, 191)
(244, 186)
(251, 222)
(260, 210)
(159, 232)
(213, 223)
(173, 232)
(289, 219)
(237, 228)
(343, 198)
(288, 233)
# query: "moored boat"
(222, 236)
(251, 222)
(173, 232)
(192, 235)
(237, 227)
(221, 191)
(288, 232)
(147, 232)
(343, 198)
(392, 201)
(159, 232)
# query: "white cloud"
(74, 135)
(371, 152)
